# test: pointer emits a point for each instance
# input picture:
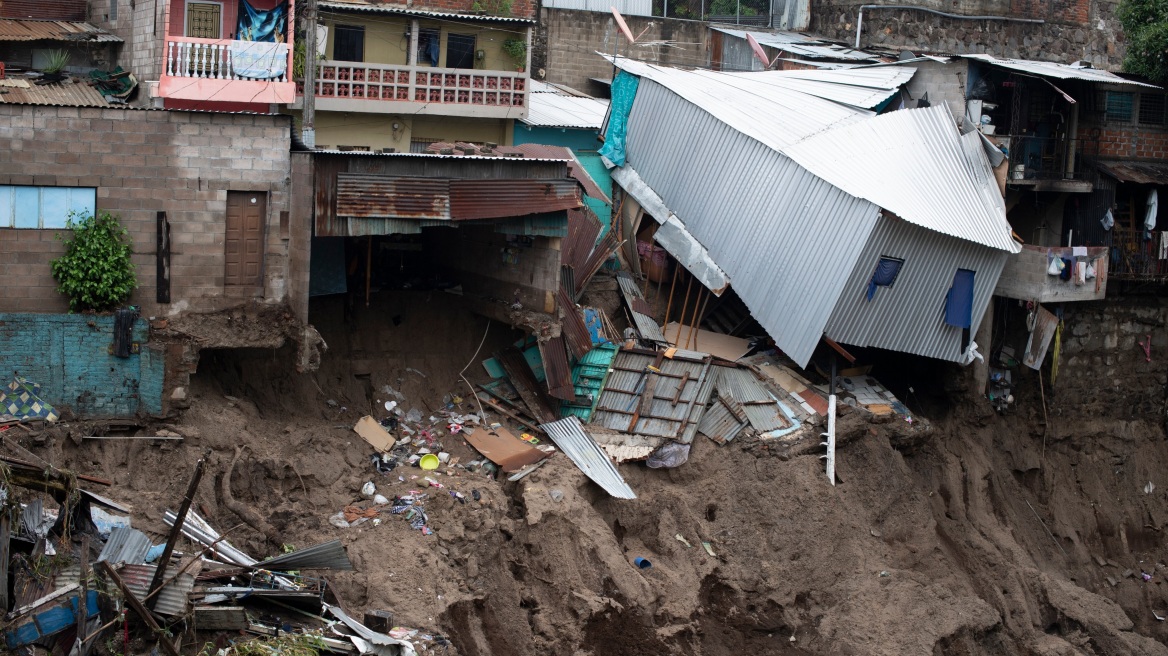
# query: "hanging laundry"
(1153, 205)
(1080, 274)
(1055, 267)
(886, 271)
(269, 25)
(1079, 251)
(1108, 220)
(1164, 245)
(1066, 269)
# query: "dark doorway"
(460, 51)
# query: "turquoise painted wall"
(584, 144)
(68, 354)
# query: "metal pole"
(308, 120)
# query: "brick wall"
(142, 162)
(1074, 29)
(68, 354)
(1112, 142)
(567, 42)
(71, 10)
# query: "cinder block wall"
(142, 162)
(69, 355)
(567, 42)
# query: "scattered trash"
(709, 549)
(556, 495)
(380, 500)
(1145, 576)
(429, 462)
(884, 573)
(642, 563)
(368, 489)
(372, 432)
(680, 538)
(1149, 488)
(669, 455)
(1158, 617)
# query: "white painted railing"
(424, 84)
(225, 59)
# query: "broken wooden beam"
(140, 610)
(176, 530)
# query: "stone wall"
(142, 162)
(69, 356)
(1073, 29)
(567, 42)
(1104, 368)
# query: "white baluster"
(229, 63)
(217, 61)
(179, 69)
(169, 58)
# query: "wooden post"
(176, 530)
(5, 516)
(681, 319)
(138, 608)
(698, 319)
(162, 260)
(669, 304)
(694, 321)
(368, 267)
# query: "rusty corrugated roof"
(556, 368)
(172, 601)
(1135, 171)
(370, 196)
(53, 30)
(491, 199)
(76, 94)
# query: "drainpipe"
(860, 17)
(1072, 141)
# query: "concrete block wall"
(944, 83)
(142, 162)
(567, 42)
(68, 355)
(1073, 29)
(300, 234)
(1025, 277)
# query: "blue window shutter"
(959, 302)
(27, 207)
(887, 268)
(7, 211)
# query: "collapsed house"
(830, 221)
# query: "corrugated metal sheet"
(359, 6)
(488, 199)
(54, 30)
(751, 400)
(707, 384)
(719, 424)
(572, 325)
(329, 555)
(575, 167)
(625, 7)
(774, 116)
(588, 378)
(793, 239)
(790, 42)
(627, 383)
(578, 445)
(556, 369)
(791, 14)
(1132, 171)
(63, 94)
(856, 94)
(173, 599)
(913, 163)
(909, 315)
(583, 228)
(549, 107)
(647, 326)
(364, 196)
(125, 545)
(1058, 71)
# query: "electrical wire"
(468, 364)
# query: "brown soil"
(973, 540)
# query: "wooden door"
(246, 211)
(204, 20)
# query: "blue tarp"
(886, 272)
(624, 91)
(959, 302)
(269, 25)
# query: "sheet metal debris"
(647, 326)
(571, 438)
(328, 555)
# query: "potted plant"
(54, 70)
(517, 49)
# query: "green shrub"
(95, 272)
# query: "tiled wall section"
(69, 355)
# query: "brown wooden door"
(246, 211)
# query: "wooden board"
(726, 347)
(504, 449)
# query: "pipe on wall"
(860, 17)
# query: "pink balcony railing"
(226, 59)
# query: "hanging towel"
(259, 60)
(1153, 205)
(1067, 269)
(1080, 273)
(886, 270)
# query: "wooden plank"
(524, 382)
(162, 260)
(528, 423)
(680, 389)
(176, 529)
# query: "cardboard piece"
(726, 347)
(372, 432)
(504, 449)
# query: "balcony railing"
(1138, 254)
(419, 84)
(226, 59)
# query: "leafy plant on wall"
(493, 7)
(517, 50)
(1145, 23)
(95, 272)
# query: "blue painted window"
(959, 301)
(43, 207)
(885, 274)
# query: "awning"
(1135, 172)
(366, 7)
(1058, 71)
(364, 195)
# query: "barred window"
(1152, 109)
(1119, 105)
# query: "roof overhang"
(1136, 172)
(1058, 71)
(12, 29)
(353, 7)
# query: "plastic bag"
(1055, 267)
(670, 454)
(1090, 271)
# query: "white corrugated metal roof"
(548, 106)
(775, 116)
(571, 438)
(865, 88)
(1058, 71)
(799, 44)
(913, 163)
(367, 7)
